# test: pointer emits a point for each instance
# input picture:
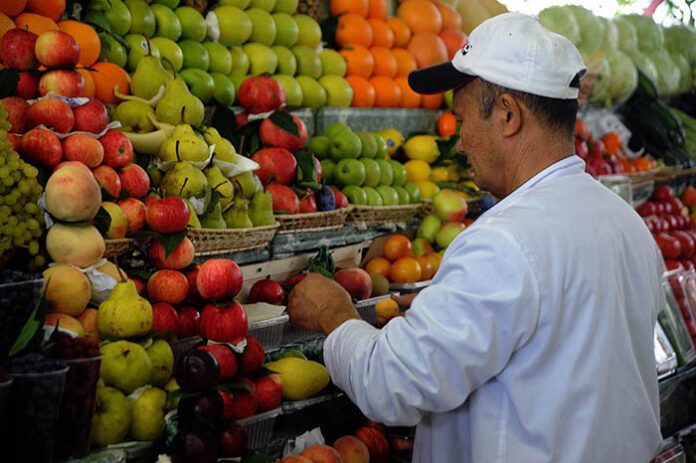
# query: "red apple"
(356, 281)
(168, 215)
(233, 441)
(64, 82)
(225, 358)
(91, 117)
(188, 322)
(83, 148)
(39, 146)
(219, 279)
(135, 213)
(16, 108)
(270, 392)
(164, 319)
(17, 49)
(180, 257)
(308, 204)
(341, 199)
(322, 454)
(252, 358)
(134, 180)
(108, 179)
(224, 323)
(276, 165)
(267, 291)
(118, 150)
(191, 276)
(57, 49)
(244, 403)
(167, 286)
(28, 86)
(285, 200)
(273, 136)
(352, 450)
(375, 442)
(15, 140)
(53, 113)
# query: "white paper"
(303, 441)
(238, 348)
(261, 311)
(241, 165)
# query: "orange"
(363, 92)
(378, 265)
(35, 23)
(421, 16)
(427, 49)
(378, 9)
(432, 101)
(451, 20)
(435, 260)
(405, 63)
(387, 308)
(106, 76)
(447, 124)
(382, 35)
(643, 163)
(87, 39)
(385, 63)
(359, 61)
(453, 40)
(353, 28)
(612, 142)
(402, 33)
(12, 7)
(427, 271)
(5, 24)
(359, 7)
(405, 270)
(396, 247)
(50, 8)
(388, 93)
(409, 98)
(89, 83)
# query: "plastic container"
(34, 404)
(684, 290)
(269, 332)
(17, 301)
(259, 428)
(671, 452)
(409, 288)
(673, 323)
(74, 431)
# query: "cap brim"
(437, 78)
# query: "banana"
(152, 101)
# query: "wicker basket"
(379, 215)
(314, 221)
(211, 241)
(115, 248)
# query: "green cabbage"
(667, 73)
(591, 30)
(610, 40)
(601, 93)
(560, 20)
(645, 64)
(685, 74)
(624, 76)
(681, 39)
(628, 37)
(650, 37)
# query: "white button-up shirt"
(534, 344)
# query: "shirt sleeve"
(460, 332)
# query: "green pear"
(134, 116)
(184, 145)
(112, 50)
(224, 149)
(261, 209)
(143, 20)
(237, 216)
(149, 76)
(116, 13)
(193, 218)
(112, 417)
(124, 313)
(248, 182)
(125, 366)
(162, 359)
(147, 414)
(212, 218)
(178, 105)
(187, 182)
(220, 183)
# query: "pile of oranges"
(380, 52)
(399, 264)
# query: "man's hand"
(320, 304)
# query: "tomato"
(688, 246)
(688, 264)
(669, 246)
(647, 209)
(582, 130)
(581, 148)
(660, 209)
(677, 205)
(597, 149)
(673, 222)
(673, 264)
(662, 193)
(650, 223)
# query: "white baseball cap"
(511, 50)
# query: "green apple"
(171, 4)
(168, 23)
(112, 50)
(389, 195)
(339, 91)
(373, 197)
(116, 13)
(199, 83)
(447, 233)
(404, 197)
(310, 32)
(170, 52)
(147, 413)
(345, 145)
(237, 82)
(240, 61)
(112, 417)
(313, 94)
(413, 192)
(369, 145)
(348, 172)
(449, 95)
(355, 195)
(193, 25)
(263, 27)
(125, 365)
(220, 58)
(266, 5)
(137, 48)
(287, 63)
(195, 55)
(372, 172)
(262, 58)
(286, 6)
(332, 63)
(429, 227)
(387, 172)
(241, 4)
(143, 20)
(293, 91)
(381, 146)
(224, 92)
(308, 61)
(319, 146)
(235, 25)
(398, 173)
(327, 169)
(286, 29)
(335, 128)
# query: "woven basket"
(379, 215)
(115, 248)
(211, 241)
(313, 221)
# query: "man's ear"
(509, 115)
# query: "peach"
(322, 454)
(72, 194)
(64, 321)
(81, 246)
(82, 147)
(375, 442)
(180, 257)
(88, 320)
(295, 459)
(68, 290)
(167, 286)
(112, 270)
(352, 450)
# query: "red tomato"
(687, 243)
(662, 193)
(669, 246)
(582, 130)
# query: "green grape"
(24, 187)
(8, 181)
(4, 172)
(31, 208)
(33, 247)
(33, 224)
(12, 222)
(27, 236)
(40, 260)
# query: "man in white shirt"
(534, 343)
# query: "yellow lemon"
(439, 174)
(422, 147)
(427, 188)
(417, 170)
(387, 308)
(453, 174)
(393, 139)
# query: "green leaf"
(306, 168)
(224, 121)
(8, 82)
(231, 386)
(283, 120)
(97, 18)
(102, 221)
(323, 263)
(254, 143)
(171, 241)
(262, 372)
(32, 332)
(259, 458)
(140, 272)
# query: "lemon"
(387, 308)
(301, 378)
(393, 138)
(427, 188)
(423, 147)
(453, 174)
(417, 170)
(439, 174)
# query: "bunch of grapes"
(21, 220)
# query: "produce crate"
(409, 288)
(269, 332)
(118, 247)
(314, 221)
(212, 241)
(381, 215)
(259, 428)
